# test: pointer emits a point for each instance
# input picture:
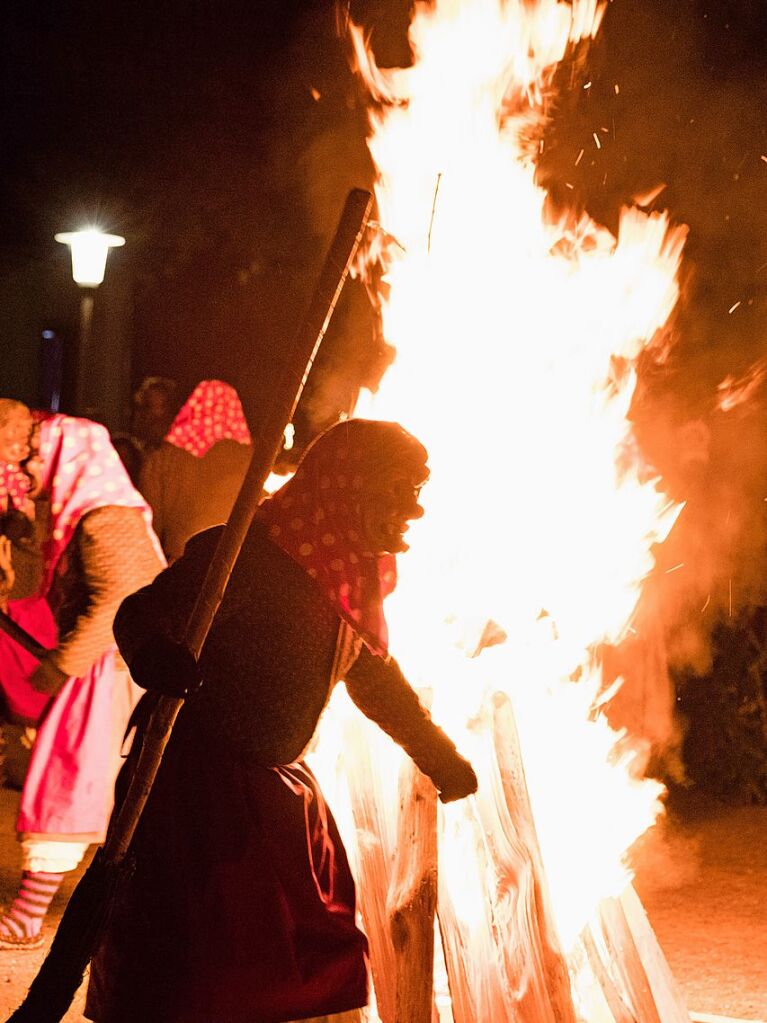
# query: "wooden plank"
(666, 992)
(412, 900)
(554, 978)
(373, 866)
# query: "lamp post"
(89, 249)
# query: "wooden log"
(373, 860)
(637, 962)
(619, 1011)
(412, 900)
(666, 992)
(552, 981)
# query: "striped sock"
(24, 918)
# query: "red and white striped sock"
(24, 918)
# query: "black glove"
(457, 780)
(166, 667)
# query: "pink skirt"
(69, 787)
(24, 704)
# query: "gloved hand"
(457, 781)
(166, 667)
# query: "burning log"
(373, 860)
(617, 968)
(397, 884)
(550, 985)
(523, 974)
(412, 901)
(640, 962)
(602, 997)
(620, 952)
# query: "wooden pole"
(268, 433)
(22, 637)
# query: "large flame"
(516, 344)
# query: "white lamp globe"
(89, 249)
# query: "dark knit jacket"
(268, 662)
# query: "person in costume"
(21, 568)
(192, 479)
(98, 546)
(240, 904)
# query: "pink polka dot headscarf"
(211, 413)
(80, 471)
(317, 518)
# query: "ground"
(702, 875)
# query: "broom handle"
(22, 637)
(268, 434)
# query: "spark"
(734, 307)
(578, 160)
(670, 570)
(708, 601)
(587, 85)
(617, 89)
(568, 185)
(763, 157)
(730, 596)
(596, 140)
(316, 94)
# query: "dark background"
(220, 138)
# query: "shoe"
(28, 944)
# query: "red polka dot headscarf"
(211, 413)
(14, 484)
(79, 471)
(318, 518)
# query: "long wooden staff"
(22, 637)
(61, 974)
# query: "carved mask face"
(388, 508)
(15, 428)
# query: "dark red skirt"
(241, 906)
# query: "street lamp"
(89, 249)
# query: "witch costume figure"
(98, 546)
(239, 904)
(192, 479)
(21, 568)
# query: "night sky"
(221, 138)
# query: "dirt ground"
(701, 874)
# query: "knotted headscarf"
(317, 517)
(211, 413)
(80, 471)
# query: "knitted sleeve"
(164, 606)
(383, 694)
(116, 555)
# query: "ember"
(516, 345)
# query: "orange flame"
(516, 343)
